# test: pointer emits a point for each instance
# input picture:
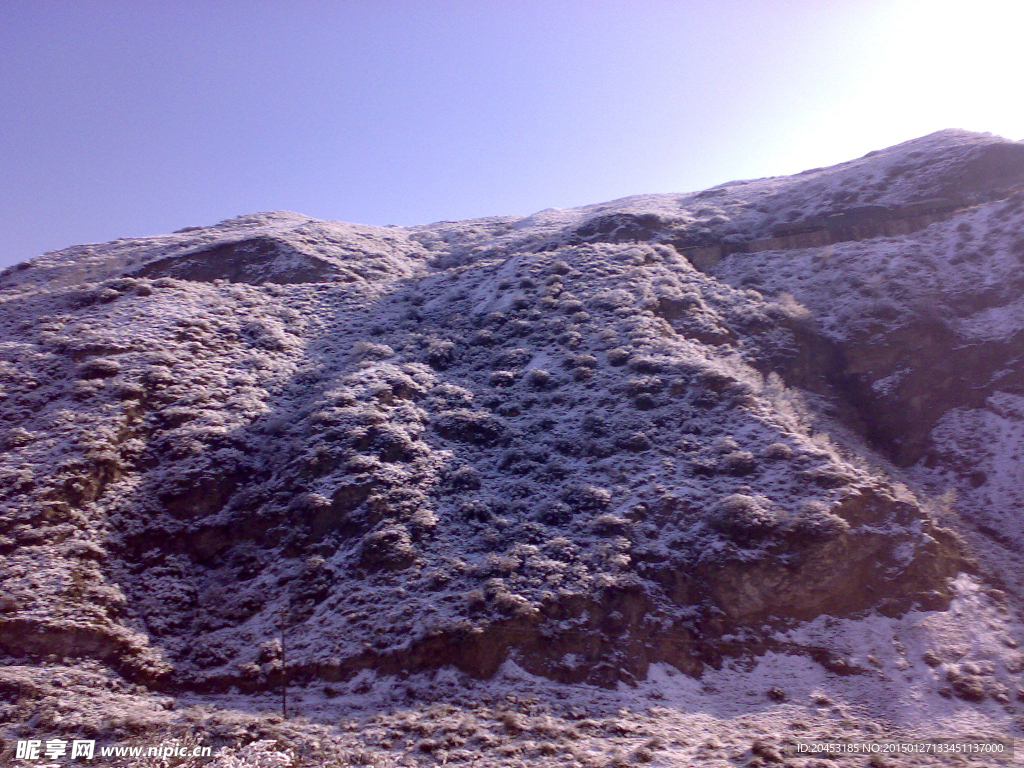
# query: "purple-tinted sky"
(127, 118)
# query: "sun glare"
(953, 63)
(912, 68)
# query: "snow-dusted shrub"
(388, 547)
(828, 476)
(725, 444)
(618, 356)
(738, 463)
(581, 361)
(439, 354)
(714, 381)
(16, 437)
(646, 364)
(399, 502)
(517, 328)
(743, 518)
(538, 378)
(422, 519)
(513, 604)
(502, 565)
(391, 442)
(175, 416)
(778, 451)
(640, 384)
(645, 402)
(157, 377)
(814, 521)
(129, 391)
(586, 498)
(99, 368)
(464, 478)
(636, 441)
(787, 308)
(314, 581)
(475, 509)
(513, 358)
(674, 305)
(966, 681)
(367, 350)
(612, 299)
(609, 524)
(258, 754)
(598, 448)
(568, 445)
(470, 426)
(482, 338)
(266, 333)
(85, 550)
(450, 396)
(570, 339)
(502, 379)
(554, 512)
(475, 599)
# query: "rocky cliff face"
(552, 439)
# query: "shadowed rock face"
(947, 372)
(254, 260)
(550, 439)
(987, 169)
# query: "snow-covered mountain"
(767, 434)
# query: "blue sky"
(122, 119)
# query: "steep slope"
(588, 441)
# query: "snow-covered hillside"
(558, 454)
